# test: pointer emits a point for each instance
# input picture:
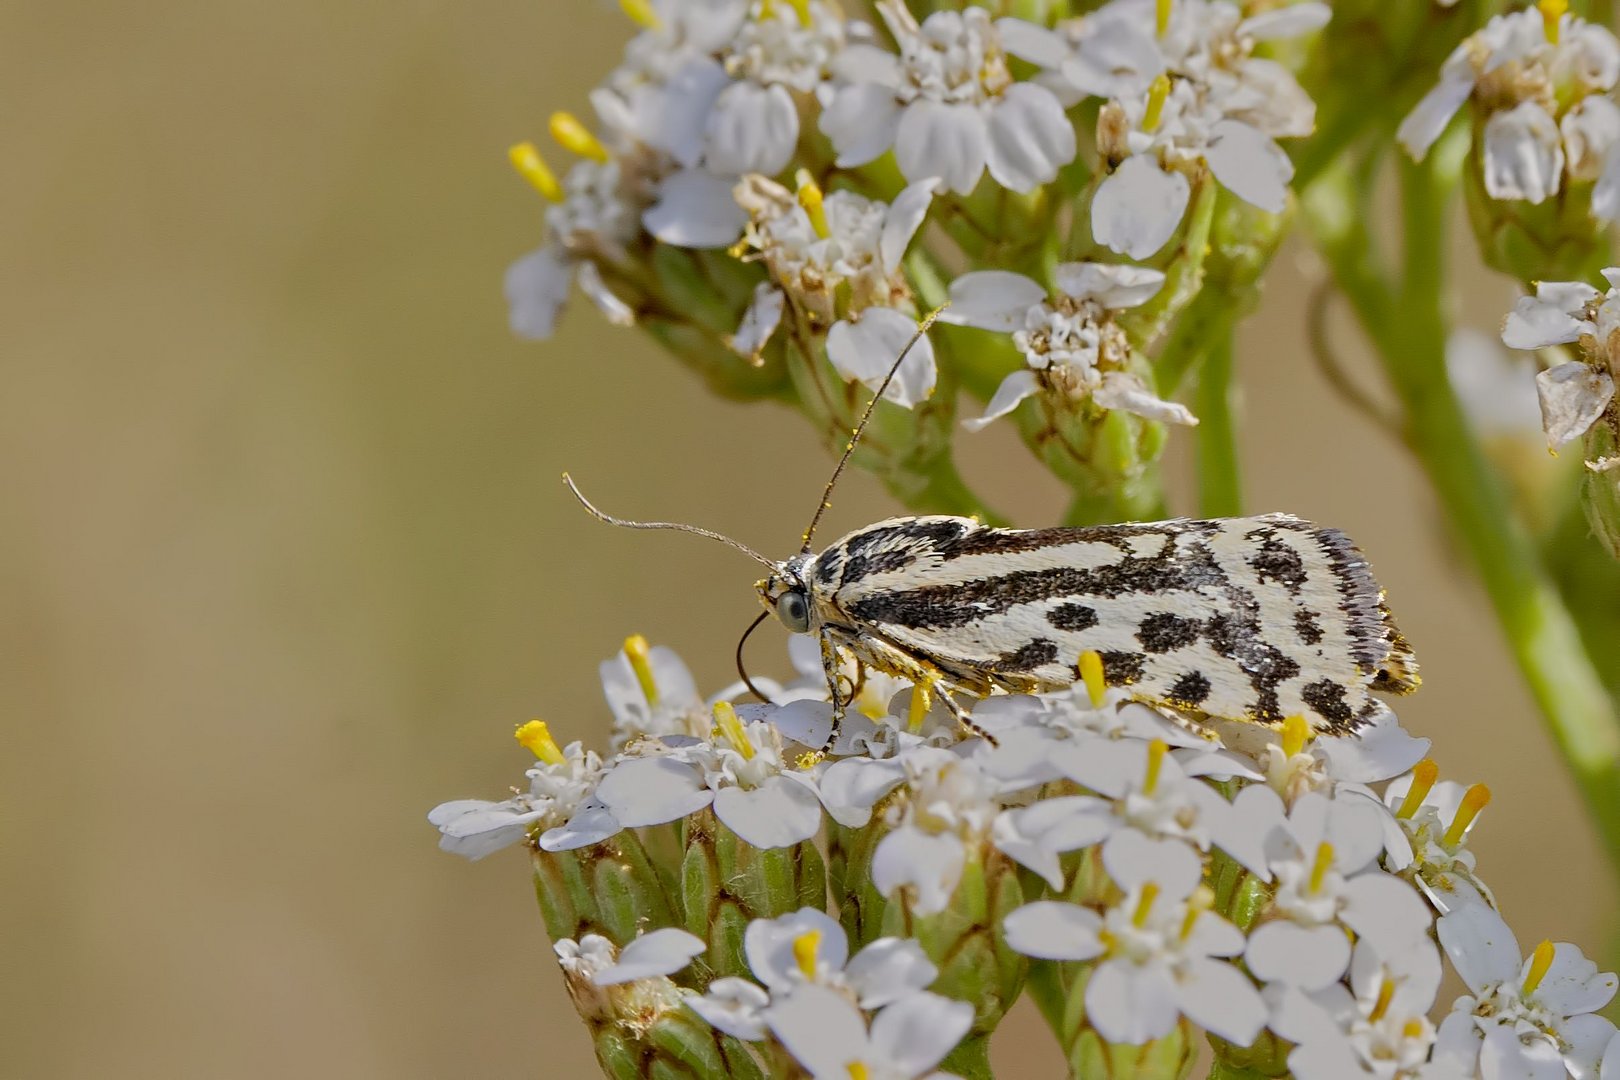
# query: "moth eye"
(794, 611)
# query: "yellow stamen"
(1202, 899)
(857, 1071)
(1323, 863)
(1386, 994)
(809, 760)
(1551, 12)
(1144, 906)
(642, 14)
(810, 198)
(922, 699)
(801, 8)
(576, 138)
(1424, 774)
(1158, 94)
(536, 738)
(731, 729)
(532, 167)
(1413, 1029)
(1540, 961)
(1295, 734)
(1156, 751)
(1091, 673)
(636, 651)
(1473, 801)
(1161, 18)
(804, 952)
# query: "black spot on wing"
(1189, 690)
(1121, 668)
(1306, 626)
(1276, 561)
(1164, 631)
(1238, 638)
(1326, 697)
(1072, 617)
(1027, 657)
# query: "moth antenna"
(871, 406)
(622, 523)
(743, 671)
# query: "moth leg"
(829, 666)
(928, 683)
(965, 720)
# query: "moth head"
(786, 596)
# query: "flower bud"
(610, 888)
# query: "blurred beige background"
(286, 559)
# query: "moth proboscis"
(1249, 618)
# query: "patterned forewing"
(1240, 618)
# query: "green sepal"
(1600, 491)
(1268, 1056)
(610, 888)
(618, 1054)
(849, 873)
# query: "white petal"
(861, 122)
(1133, 859)
(1309, 957)
(734, 1006)
(1385, 910)
(1040, 46)
(651, 791)
(851, 787)
(821, 1029)
(591, 824)
(1124, 392)
(1427, 122)
(752, 129)
(1610, 1069)
(1524, 156)
(808, 722)
(1129, 1004)
(1573, 984)
(1586, 1038)
(1481, 946)
(674, 116)
(1250, 165)
(1506, 1057)
(613, 309)
(1286, 22)
(1013, 389)
(1031, 137)
(536, 287)
(759, 322)
(904, 218)
(660, 952)
(1591, 130)
(947, 141)
(1052, 930)
(992, 300)
(1573, 396)
(473, 829)
(1138, 207)
(769, 946)
(914, 1034)
(930, 863)
(1113, 286)
(1606, 192)
(779, 813)
(889, 969)
(695, 209)
(1535, 323)
(1376, 752)
(1219, 998)
(866, 350)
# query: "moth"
(1249, 619)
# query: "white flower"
(781, 54)
(949, 107)
(1033, 732)
(1295, 760)
(828, 1035)
(1377, 1027)
(1070, 341)
(1158, 950)
(657, 952)
(943, 819)
(1112, 52)
(1573, 394)
(741, 775)
(809, 948)
(1542, 76)
(840, 255)
(559, 784)
(1534, 1018)
(1322, 856)
(651, 692)
(1427, 837)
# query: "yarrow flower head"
(949, 107)
(1540, 79)
(1577, 393)
(1073, 346)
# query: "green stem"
(1220, 485)
(1408, 329)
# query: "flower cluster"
(1168, 877)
